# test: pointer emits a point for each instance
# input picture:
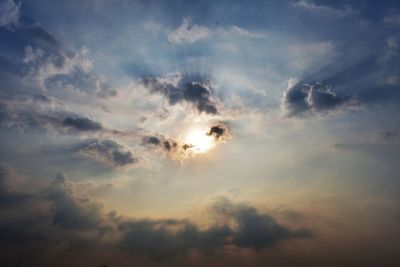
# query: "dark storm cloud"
(304, 99)
(106, 151)
(194, 92)
(218, 130)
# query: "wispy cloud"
(189, 33)
(326, 11)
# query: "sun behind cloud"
(200, 141)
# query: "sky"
(199, 133)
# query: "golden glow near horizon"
(200, 141)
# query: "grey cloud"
(17, 212)
(106, 151)
(218, 130)
(302, 99)
(167, 144)
(253, 229)
(243, 226)
(82, 124)
(151, 140)
(8, 195)
(158, 238)
(70, 211)
(9, 13)
(47, 64)
(194, 92)
(390, 135)
(72, 218)
(30, 113)
(348, 82)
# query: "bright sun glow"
(200, 141)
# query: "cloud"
(9, 13)
(106, 151)
(238, 31)
(167, 144)
(71, 211)
(188, 32)
(82, 124)
(251, 229)
(61, 216)
(31, 113)
(303, 99)
(393, 18)
(326, 11)
(159, 239)
(178, 89)
(390, 135)
(243, 226)
(175, 149)
(218, 131)
(46, 65)
(8, 195)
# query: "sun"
(199, 140)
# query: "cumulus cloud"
(9, 13)
(302, 99)
(188, 32)
(178, 89)
(107, 151)
(326, 11)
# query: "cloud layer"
(180, 89)
(61, 215)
